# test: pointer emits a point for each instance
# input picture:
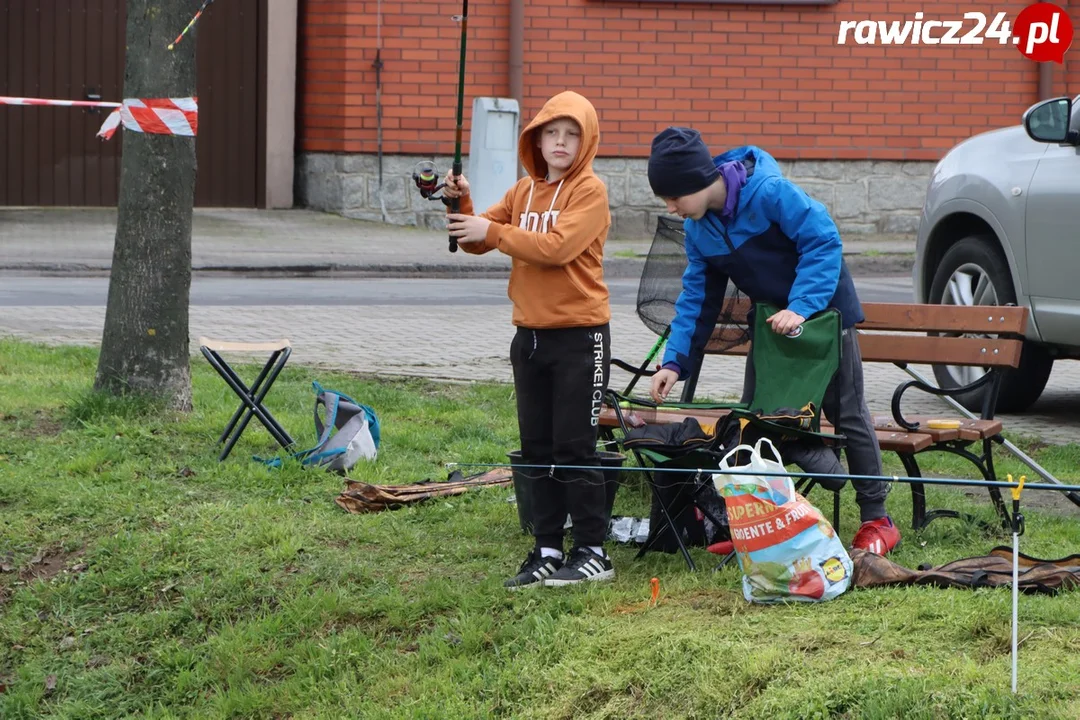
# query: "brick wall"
(770, 75)
(420, 49)
(860, 126)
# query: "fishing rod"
(425, 175)
(190, 25)
(808, 475)
(455, 202)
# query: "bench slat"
(970, 430)
(889, 439)
(988, 319)
(941, 350)
(917, 349)
(984, 319)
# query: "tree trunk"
(145, 345)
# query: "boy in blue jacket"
(745, 222)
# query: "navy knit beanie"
(680, 163)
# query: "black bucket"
(610, 461)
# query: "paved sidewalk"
(468, 343)
(453, 343)
(303, 242)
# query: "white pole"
(1017, 521)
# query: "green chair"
(791, 376)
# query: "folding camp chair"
(251, 398)
(791, 376)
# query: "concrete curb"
(876, 264)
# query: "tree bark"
(145, 346)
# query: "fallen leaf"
(168, 587)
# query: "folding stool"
(251, 399)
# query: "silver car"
(1000, 226)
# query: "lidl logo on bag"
(834, 570)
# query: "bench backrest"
(920, 334)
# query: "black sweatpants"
(560, 377)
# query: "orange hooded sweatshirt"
(554, 231)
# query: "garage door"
(74, 50)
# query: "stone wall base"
(863, 196)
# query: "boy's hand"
(467, 228)
(785, 322)
(662, 382)
(456, 185)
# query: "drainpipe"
(1046, 80)
(517, 56)
(1046, 70)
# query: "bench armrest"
(992, 378)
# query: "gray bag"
(350, 432)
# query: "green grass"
(174, 586)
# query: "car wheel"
(973, 272)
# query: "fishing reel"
(426, 177)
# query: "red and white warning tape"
(171, 116)
(64, 103)
(168, 116)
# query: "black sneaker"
(583, 565)
(534, 570)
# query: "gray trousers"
(844, 405)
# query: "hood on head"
(568, 104)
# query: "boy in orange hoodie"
(553, 224)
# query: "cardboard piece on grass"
(360, 497)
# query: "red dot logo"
(1043, 32)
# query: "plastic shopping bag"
(786, 548)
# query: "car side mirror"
(1048, 121)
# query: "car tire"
(974, 272)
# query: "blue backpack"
(349, 432)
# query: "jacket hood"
(760, 166)
(568, 104)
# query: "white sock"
(550, 552)
(598, 550)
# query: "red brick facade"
(771, 75)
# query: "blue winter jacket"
(780, 247)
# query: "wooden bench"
(905, 334)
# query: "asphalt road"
(25, 291)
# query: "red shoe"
(877, 536)
(724, 547)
